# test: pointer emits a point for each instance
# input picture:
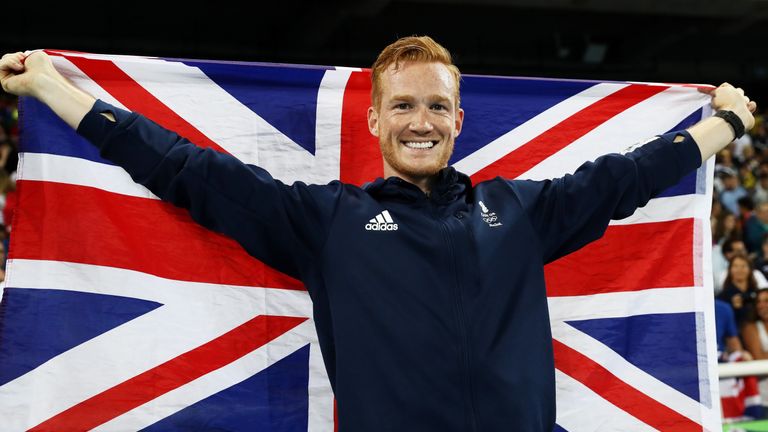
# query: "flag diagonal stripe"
(601, 381)
(172, 374)
(561, 135)
(136, 98)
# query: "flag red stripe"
(63, 222)
(136, 98)
(619, 393)
(627, 258)
(564, 133)
(360, 156)
(170, 375)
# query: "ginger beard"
(417, 120)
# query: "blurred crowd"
(9, 157)
(739, 221)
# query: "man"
(438, 322)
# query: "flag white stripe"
(573, 397)
(662, 210)
(330, 104)
(42, 274)
(82, 172)
(622, 304)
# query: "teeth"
(419, 145)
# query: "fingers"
(13, 61)
(752, 106)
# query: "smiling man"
(438, 320)
(415, 112)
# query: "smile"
(419, 144)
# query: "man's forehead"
(416, 74)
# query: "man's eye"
(403, 106)
(438, 107)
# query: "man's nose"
(420, 122)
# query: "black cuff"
(732, 119)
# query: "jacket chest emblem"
(488, 216)
(381, 222)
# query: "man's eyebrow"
(402, 97)
(433, 97)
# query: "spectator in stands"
(761, 263)
(760, 195)
(726, 331)
(755, 332)
(727, 227)
(755, 229)
(740, 398)
(760, 137)
(739, 288)
(732, 191)
(746, 207)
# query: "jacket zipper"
(463, 335)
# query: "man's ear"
(459, 121)
(373, 121)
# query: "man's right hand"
(21, 73)
(33, 74)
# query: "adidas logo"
(382, 222)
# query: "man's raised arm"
(279, 224)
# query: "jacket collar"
(448, 185)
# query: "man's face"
(417, 119)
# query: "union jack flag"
(120, 313)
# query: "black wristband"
(733, 120)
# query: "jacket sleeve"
(573, 210)
(281, 225)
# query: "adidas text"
(381, 226)
(382, 222)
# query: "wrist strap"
(732, 119)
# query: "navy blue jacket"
(431, 310)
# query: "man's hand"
(714, 133)
(33, 74)
(728, 97)
(22, 73)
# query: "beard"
(393, 157)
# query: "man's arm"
(279, 224)
(573, 210)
